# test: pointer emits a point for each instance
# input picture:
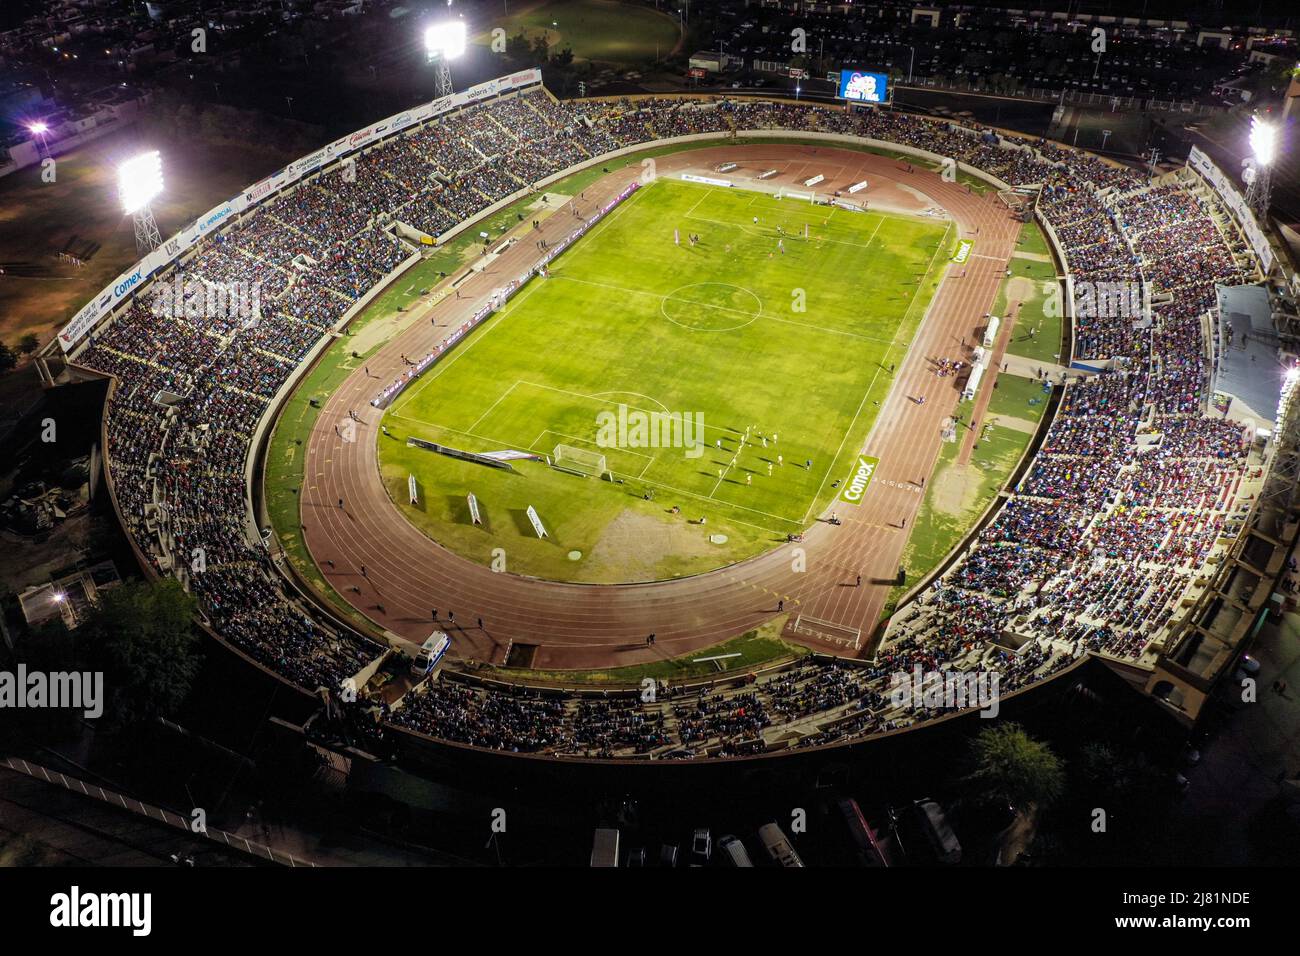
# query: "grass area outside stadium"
(752, 649)
(604, 31)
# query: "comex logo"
(127, 284)
(963, 251)
(861, 478)
(76, 909)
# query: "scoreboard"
(861, 87)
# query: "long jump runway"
(408, 575)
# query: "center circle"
(711, 307)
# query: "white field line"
(722, 308)
(848, 431)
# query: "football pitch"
(752, 331)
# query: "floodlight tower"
(139, 181)
(1259, 167)
(444, 42)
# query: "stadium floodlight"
(139, 181)
(446, 39)
(444, 42)
(38, 129)
(1263, 147)
(1263, 140)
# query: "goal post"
(580, 461)
(798, 194)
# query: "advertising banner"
(216, 218)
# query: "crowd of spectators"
(1133, 488)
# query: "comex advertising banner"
(214, 219)
(860, 87)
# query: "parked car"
(734, 852)
(702, 845)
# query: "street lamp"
(39, 129)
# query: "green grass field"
(599, 30)
(1037, 334)
(794, 346)
(957, 494)
(755, 648)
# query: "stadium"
(745, 435)
(1073, 561)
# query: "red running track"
(408, 575)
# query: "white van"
(778, 845)
(431, 652)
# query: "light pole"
(911, 61)
(444, 42)
(1263, 145)
(139, 181)
(39, 130)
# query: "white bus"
(973, 383)
(991, 332)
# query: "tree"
(1011, 767)
(518, 49)
(141, 635)
(29, 343)
(7, 358)
(541, 48)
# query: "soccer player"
(749, 479)
(780, 460)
